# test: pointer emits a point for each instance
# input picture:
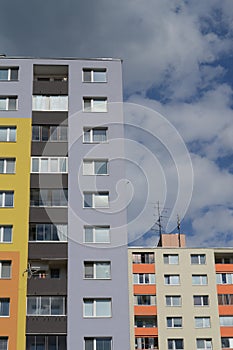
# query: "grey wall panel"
(47, 250)
(47, 286)
(46, 215)
(49, 118)
(49, 149)
(50, 88)
(49, 181)
(46, 324)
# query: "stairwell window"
(7, 165)
(96, 200)
(97, 234)
(8, 103)
(97, 307)
(7, 133)
(6, 233)
(4, 307)
(6, 199)
(9, 74)
(94, 75)
(95, 104)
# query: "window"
(172, 279)
(94, 75)
(49, 164)
(49, 133)
(97, 270)
(7, 133)
(97, 307)
(48, 232)
(174, 322)
(227, 343)
(95, 135)
(46, 306)
(45, 342)
(175, 344)
(6, 199)
(96, 200)
(49, 197)
(6, 233)
(225, 299)
(143, 258)
(5, 269)
(144, 278)
(95, 167)
(3, 343)
(7, 165)
(202, 322)
(201, 300)
(95, 104)
(144, 299)
(199, 279)
(98, 343)
(49, 103)
(173, 300)
(55, 273)
(146, 343)
(226, 259)
(172, 259)
(9, 74)
(198, 259)
(204, 344)
(226, 321)
(224, 278)
(8, 103)
(4, 307)
(97, 234)
(145, 321)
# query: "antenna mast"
(178, 228)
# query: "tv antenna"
(160, 218)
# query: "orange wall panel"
(226, 331)
(146, 332)
(225, 289)
(143, 268)
(144, 289)
(224, 267)
(225, 310)
(145, 310)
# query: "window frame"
(203, 280)
(39, 305)
(5, 165)
(51, 227)
(172, 298)
(151, 299)
(167, 259)
(203, 320)
(8, 99)
(5, 339)
(94, 199)
(9, 130)
(2, 233)
(206, 347)
(3, 201)
(94, 102)
(38, 200)
(93, 71)
(94, 229)
(202, 298)
(94, 341)
(173, 320)
(9, 73)
(94, 302)
(199, 259)
(172, 344)
(9, 262)
(5, 300)
(145, 276)
(48, 102)
(60, 163)
(92, 164)
(90, 132)
(38, 129)
(94, 265)
(168, 280)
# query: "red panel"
(144, 289)
(226, 331)
(225, 309)
(143, 268)
(145, 310)
(224, 267)
(146, 332)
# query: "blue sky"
(177, 61)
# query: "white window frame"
(95, 263)
(228, 278)
(172, 298)
(2, 204)
(2, 229)
(230, 341)
(168, 280)
(5, 338)
(204, 320)
(9, 70)
(199, 258)
(173, 342)
(227, 318)
(205, 343)
(173, 321)
(38, 305)
(202, 300)
(1, 267)
(89, 164)
(95, 339)
(91, 134)
(51, 228)
(8, 132)
(145, 276)
(95, 103)
(93, 71)
(7, 99)
(47, 100)
(49, 160)
(94, 200)
(5, 162)
(169, 259)
(94, 307)
(203, 280)
(152, 298)
(95, 233)
(1, 301)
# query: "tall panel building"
(68, 280)
(63, 226)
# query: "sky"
(178, 80)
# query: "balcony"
(47, 251)
(46, 324)
(50, 87)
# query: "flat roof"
(3, 56)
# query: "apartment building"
(61, 141)
(180, 298)
(68, 280)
